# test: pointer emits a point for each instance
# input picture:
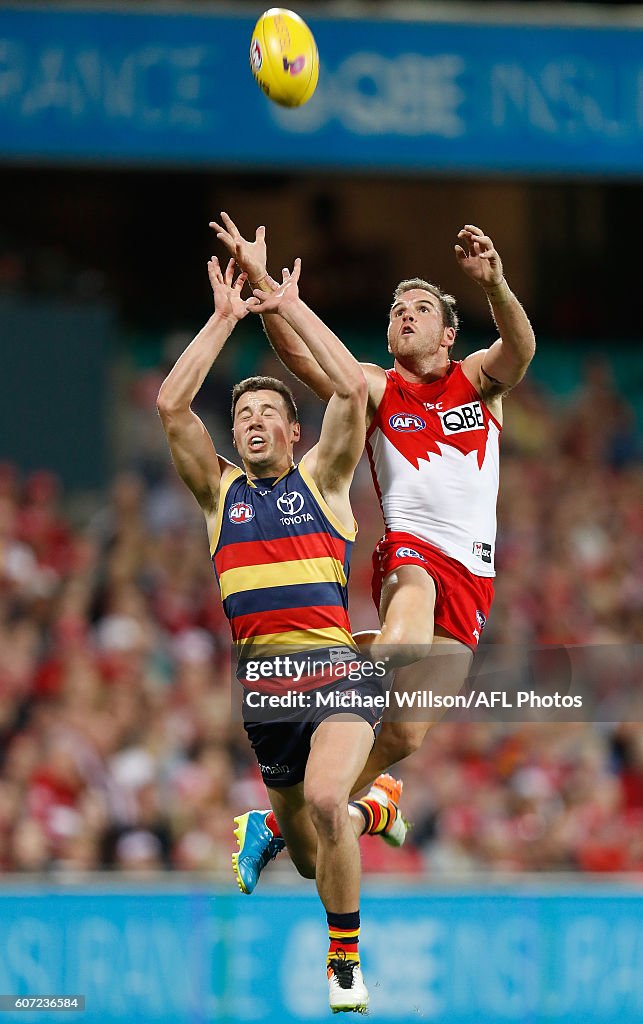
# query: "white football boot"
(346, 989)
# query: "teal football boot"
(257, 846)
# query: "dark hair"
(447, 302)
(265, 384)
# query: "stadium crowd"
(119, 749)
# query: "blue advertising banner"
(189, 957)
(133, 87)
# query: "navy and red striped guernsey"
(281, 558)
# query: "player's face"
(416, 327)
(263, 434)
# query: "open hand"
(286, 294)
(227, 292)
(477, 257)
(250, 256)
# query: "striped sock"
(376, 817)
(271, 822)
(343, 933)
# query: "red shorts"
(462, 600)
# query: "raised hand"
(250, 256)
(477, 257)
(227, 292)
(277, 301)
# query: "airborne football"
(284, 58)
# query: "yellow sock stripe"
(379, 817)
(338, 933)
(366, 805)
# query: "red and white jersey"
(434, 454)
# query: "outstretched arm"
(332, 461)
(288, 345)
(505, 363)
(193, 452)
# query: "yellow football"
(284, 58)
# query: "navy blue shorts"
(282, 743)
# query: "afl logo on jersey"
(409, 553)
(406, 422)
(241, 513)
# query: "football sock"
(343, 934)
(376, 817)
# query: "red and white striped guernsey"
(434, 455)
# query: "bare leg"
(407, 608)
(338, 753)
(444, 672)
(293, 813)
(296, 826)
